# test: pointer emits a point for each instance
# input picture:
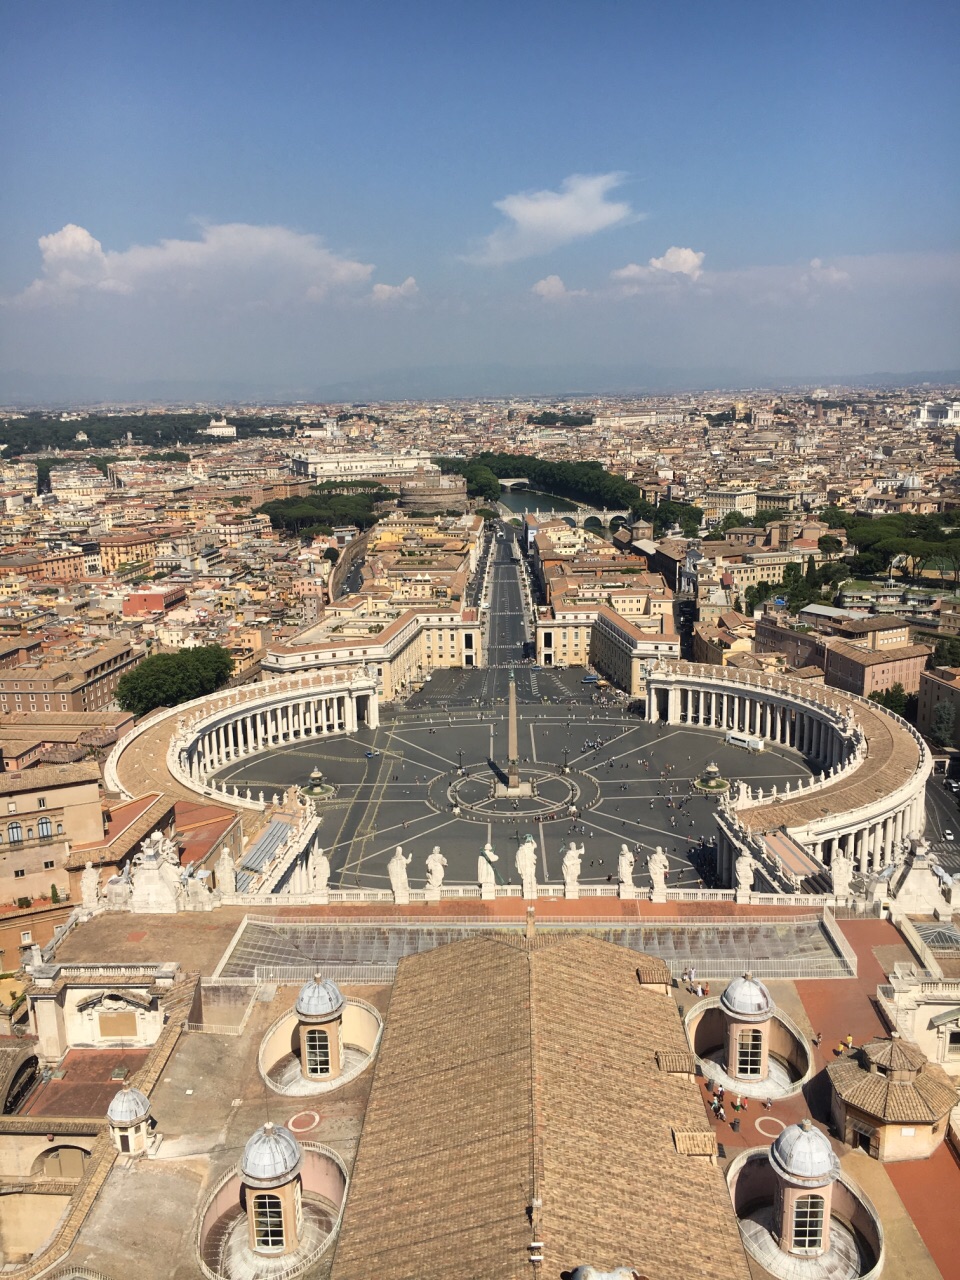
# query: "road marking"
(533, 745)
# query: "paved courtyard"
(602, 776)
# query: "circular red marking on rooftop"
(303, 1121)
(762, 1120)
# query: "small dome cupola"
(319, 1001)
(802, 1156)
(129, 1106)
(271, 1157)
(129, 1118)
(748, 1000)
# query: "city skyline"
(557, 199)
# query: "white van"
(747, 740)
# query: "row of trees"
(167, 679)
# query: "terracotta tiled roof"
(513, 1072)
(923, 1100)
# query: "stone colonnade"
(871, 835)
(814, 730)
(237, 732)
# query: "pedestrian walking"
(721, 1114)
(685, 979)
(699, 991)
(849, 1040)
(817, 1039)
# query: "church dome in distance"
(320, 998)
(128, 1106)
(271, 1156)
(803, 1155)
(747, 999)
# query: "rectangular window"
(48, 864)
(318, 1052)
(19, 874)
(26, 936)
(749, 1053)
(268, 1223)
(41, 802)
(808, 1224)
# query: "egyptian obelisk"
(513, 739)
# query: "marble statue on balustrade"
(226, 872)
(319, 874)
(526, 864)
(156, 877)
(90, 888)
(625, 865)
(119, 889)
(436, 865)
(744, 873)
(397, 871)
(570, 867)
(657, 866)
(486, 876)
(841, 873)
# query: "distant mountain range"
(467, 382)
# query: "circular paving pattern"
(303, 1121)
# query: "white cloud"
(395, 292)
(552, 289)
(684, 262)
(539, 221)
(234, 262)
(676, 262)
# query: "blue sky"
(302, 194)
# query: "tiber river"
(520, 500)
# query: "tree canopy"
(548, 418)
(167, 679)
(319, 511)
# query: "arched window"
(15, 833)
(268, 1223)
(44, 829)
(749, 1053)
(318, 1052)
(808, 1224)
(59, 828)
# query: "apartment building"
(937, 687)
(42, 812)
(86, 682)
